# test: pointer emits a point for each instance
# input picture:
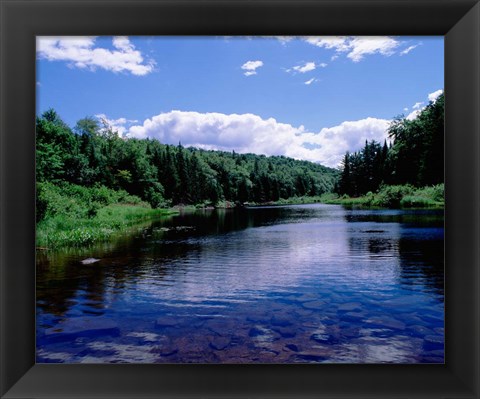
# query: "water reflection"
(313, 283)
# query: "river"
(295, 284)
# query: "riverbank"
(66, 231)
(405, 196)
(70, 215)
(401, 196)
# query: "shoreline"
(63, 231)
(59, 232)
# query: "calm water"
(307, 283)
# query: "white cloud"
(322, 65)
(309, 66)
(284, 39)
(310, 81)
(122, 43)
(338, 43)
(362, 46)
(355, 47)
(433, 96)
(417, 105)
(250, 133)
(80, 52)
(332, 143)
(412, 115)
(408, 49)
(119, 125)
(418, 108)
(405, 109)
(251, 67)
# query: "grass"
(68, 231)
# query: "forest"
(93, 155)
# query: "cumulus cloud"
(433, 96)
(412, 115)
(356, 47)
(250, 67)
(310, 81)
(119, 125)
(248, 133)
(80, 52)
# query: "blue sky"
(306, 97)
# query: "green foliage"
(435, 193)
(162, 175)
(391, 196)
(88, 178)
(77, 202)
(415, 158)
(67, 230)
(398, 196)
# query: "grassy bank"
(73, 216)
(396, 197)
(62, 231)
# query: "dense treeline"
(415, 156)
(93, 155)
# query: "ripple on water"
(301, 284)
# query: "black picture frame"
(21, 21)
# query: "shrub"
(391, 196)
(77, 202)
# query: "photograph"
(240, 199)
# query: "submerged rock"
(292, 347)
(220, 343)
(166, 321)
(255, 332)
(285, 332)
(313, 305)
(350, 306)
(280, 321)
(83, 326)
(311, 357)
(89, 261)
